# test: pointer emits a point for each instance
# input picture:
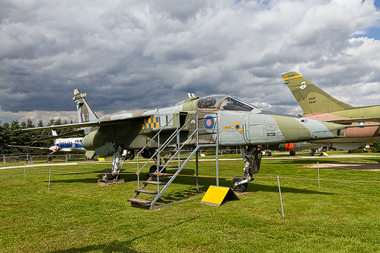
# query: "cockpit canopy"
(223, 102)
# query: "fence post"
(318, 176)
(49, 180)
(279, 189)
(4, 161)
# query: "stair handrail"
(189, 157)
(164, 145)
(152, 139)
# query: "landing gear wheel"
(239, 188)
(292, 152)
(153, 169)
(107, 175)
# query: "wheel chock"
(215, 195)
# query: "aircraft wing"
(105, 122)
(87, 124)
(30, 147)
(355, 120)
(76, 133)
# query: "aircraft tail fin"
(54, 133)
(311, 98)
(84, 110)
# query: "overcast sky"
(130, 54)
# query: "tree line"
(10, 136)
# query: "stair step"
(162, 175)
(175, 158)
(169, 166)
(146, 191)
(182, 151)
(154, 182)
(140, 201)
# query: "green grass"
(77, 215)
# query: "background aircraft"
(61, 145)
(317, 104)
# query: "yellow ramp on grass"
(215, 195)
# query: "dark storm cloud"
(136, 55)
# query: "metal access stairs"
(159, 180)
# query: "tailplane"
(84, 110)
(311, 98)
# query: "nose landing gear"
(252, 161)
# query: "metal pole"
(49, 180)
(196, 170)
(318, 175)
(217, 151)
(158, 154)
(279, 189)
(4, 161)
(137, 172)
(66, 158)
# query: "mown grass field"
(77, 215)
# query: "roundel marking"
(208, 122)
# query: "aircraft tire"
(153, 169)
(239, 188)
(107, 175)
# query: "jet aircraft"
(317, 104)
(224, 119)
(61, 145)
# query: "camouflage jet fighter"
(317, 104)
(220, 119)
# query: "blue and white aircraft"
(61, 145)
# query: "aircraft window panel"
(207, 103)
(233, 104)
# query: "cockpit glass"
(208, 102)
(224, 103)
(232, 104)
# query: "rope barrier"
(57, 172)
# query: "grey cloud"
(136, 55)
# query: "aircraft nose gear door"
(252, 161)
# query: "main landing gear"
(252, 161)
(117, 164)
